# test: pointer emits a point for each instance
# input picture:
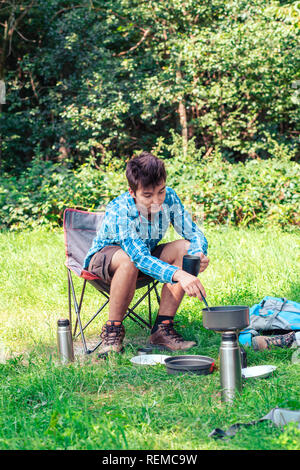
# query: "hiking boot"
(112, 338)
(165, 337)
(267, 342)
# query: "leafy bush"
(45, 189)
(257, 192)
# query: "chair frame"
(73, 302)
(102, 287)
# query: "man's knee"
(185, 247)
(122, 261)
(182, 249)
(175, 252)
(129, 266)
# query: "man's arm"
(190, 284)
(145, 262)
(185, 227)
(158, 269)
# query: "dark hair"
(145, 169)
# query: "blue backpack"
(271, 314)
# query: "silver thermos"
(64, 341)
(230, 366)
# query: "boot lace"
(111, 334)
(169, 330)
(283, 341)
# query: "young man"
(127, 244)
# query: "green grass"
(114, 404)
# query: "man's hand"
(204, 261)
(189, 283)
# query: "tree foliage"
(103, 79)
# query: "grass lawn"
(114, 404)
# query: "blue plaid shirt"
(123, 225)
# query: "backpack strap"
(274, 305)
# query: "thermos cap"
(63, 322)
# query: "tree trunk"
(2, 75)
(63, 151)
(184, 129)
(3, 50)
(183, 119)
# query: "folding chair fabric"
(80, 228)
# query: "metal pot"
(229, 318)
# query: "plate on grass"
(257, 371)
(149, 359)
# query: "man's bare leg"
(124, 276)
(122, 288)
(172, 294)
(163, 334)
(123, 285)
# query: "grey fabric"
(278, 416)
(268, 322)
(80, 228)
(263, 321)
(281, 416)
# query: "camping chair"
(80, 228)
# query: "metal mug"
(191, 264)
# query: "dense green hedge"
(257, 192)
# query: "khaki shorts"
(100, 261)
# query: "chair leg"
(131, 313)
(136, 318)
(79, 306)
(149, 308)
(77, 309)
(70, 302)
(157, 295)
(94, 316)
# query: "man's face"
(149, 200)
